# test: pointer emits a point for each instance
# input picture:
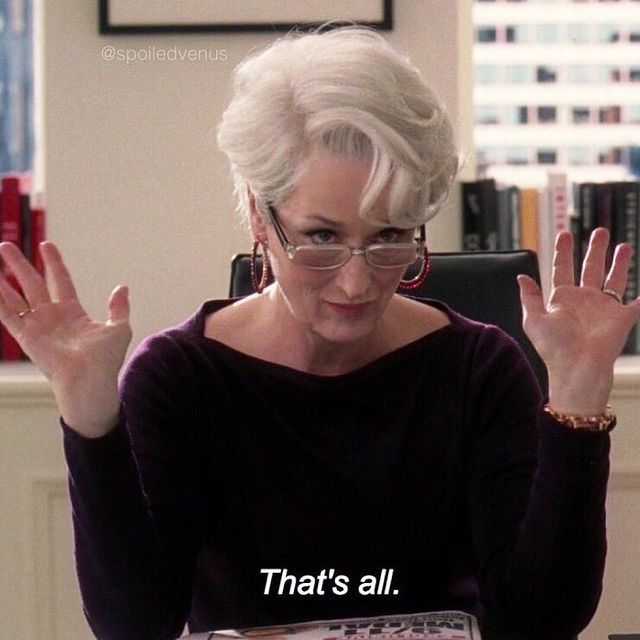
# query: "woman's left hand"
(582, 329)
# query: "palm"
(579, 318)
(582, 329)
(61, 339)
(81, 357)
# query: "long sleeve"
(133, 509)
(537, 503)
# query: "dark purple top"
(434, 460)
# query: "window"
(517, 155)
(633, 114)
(486, 34)
(605, 74)
(523, 33)
(579, 74)
(517, 115)
(486, 114)
(547, 156)
(517, 73)
(16, 87)
(580, 115)
(564, 90)
(548, 33)
(579, 155)
(487, 74)
(546, 114)
(612, 155)
(608, 33)
(489, 155)
(578, 33)
(546, 74)
(609, 115)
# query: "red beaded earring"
(259, 285)
(415, 282)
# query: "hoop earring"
(414, 283)
(259, 285)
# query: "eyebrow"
(314, 217)
(322, 220)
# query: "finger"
(563, 260)
(634, 309)
(31, 282)
(11, 304)
(59, 276)
(594, 260)
(14, 301)
(619, 271)
(530, 298)
(119, 305)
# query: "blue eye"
(321, 236)
(390, 235)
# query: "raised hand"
(81, 357)
(583, 328)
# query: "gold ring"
(22, 314)
(613, 294)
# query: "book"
(625, 211)
(479, 215)
(10, 231)
(440, 625)
(38, 233)
(529, 219)
(508, 202)
(24, 225)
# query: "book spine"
(479, 215)
(545, 241)
(514, 214)
(38, 235)
(625, 213)
(558, 203)
(604, 215)
(529, 219)
(504, 219)
(471, 210)
(10, 231)
(587, 207)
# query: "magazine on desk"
(439, 625)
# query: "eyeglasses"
(384, 256)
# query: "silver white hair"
(349, 92)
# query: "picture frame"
(206, 16)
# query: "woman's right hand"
(80, 357)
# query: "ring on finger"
(22, 314)
(613, 294)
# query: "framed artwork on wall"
(200, 16)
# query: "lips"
(350, 310)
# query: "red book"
(38, 235)
(10, 231)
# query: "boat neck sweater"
(231, 485)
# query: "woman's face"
(346, 303)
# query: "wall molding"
(22, 385)
(46, 492)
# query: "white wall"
(136, 190)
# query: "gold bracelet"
(598, 422)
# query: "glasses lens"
(321, 257)
(398, 255)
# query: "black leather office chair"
(480, 285)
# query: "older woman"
(266, 460)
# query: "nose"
(354, 277)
